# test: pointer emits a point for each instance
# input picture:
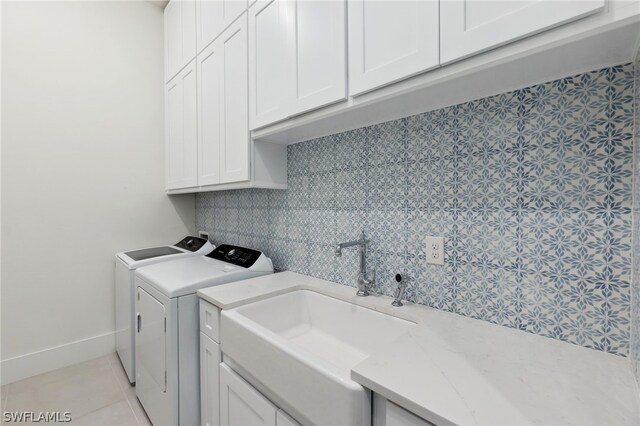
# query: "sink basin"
(299, 348)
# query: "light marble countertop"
(456, 370)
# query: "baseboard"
(23, 366)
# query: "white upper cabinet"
(270, 65)
(296, 57)
(471, 26)
(234, 149)
(210, 115)
(181, 129)
(318, 34)
(223, 137)
(390, 40)
(213, 17)
(180, 35)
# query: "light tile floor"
(95, 392)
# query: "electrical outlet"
(435, 250)
(204, 235)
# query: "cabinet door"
(181, 130)
(386, 413)
(213, 16)
(234, 150)
(317, 33)
(270, 66)
(390, 40)
(472, 26)
(180, 35)
(283, 419)
(241, 404)
(209, 381)
(210, 68)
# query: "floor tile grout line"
(122, 389)
(113, 403)
(134, 412)
(124, 392)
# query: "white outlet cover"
(434, 250)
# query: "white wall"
(82, 172)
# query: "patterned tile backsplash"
(635, 296)
(531, 189)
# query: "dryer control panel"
(235, 255)
(192, 244)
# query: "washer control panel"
(191, 243)
(235, 255)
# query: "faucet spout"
(363, 281)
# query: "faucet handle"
(402, 286)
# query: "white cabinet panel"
(223, 139)
(210, 68)
(283, 419)
(297, 57)
(210, 358)
(241, 404)
(213, 16)
(318, 34)
(181, 129)
(180, 35)
(270, 68)
(472, 26)
(210, 320)
(234, 150)
(390, 40)
(386, 413)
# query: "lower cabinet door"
(386, 413)
(241, 404)
(209, 381)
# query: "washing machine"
(167, 321)
(126, 265)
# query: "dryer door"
(151, 340)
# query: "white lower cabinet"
(210, 357)
(241, 404)
(386, 413)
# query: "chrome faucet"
(363, 281)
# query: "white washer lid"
(189, 274)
